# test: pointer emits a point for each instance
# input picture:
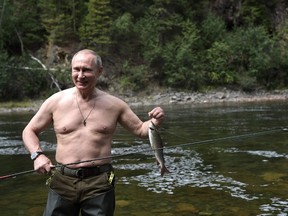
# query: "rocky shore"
(212, 97)
(166, 97)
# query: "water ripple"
(268, 154)
(277, 206)
(187, 169)
(16, 147)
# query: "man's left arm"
(131, 121)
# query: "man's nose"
(81, 74)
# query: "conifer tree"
(59, 19)
(95, 30)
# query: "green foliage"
(123, 30)
(59, 19)
(164, 49)
(4, 75)
(252, 53)
(181, 61)
(183, 44)
(96, 27)
(135, 78)
(14, 72)
(63, 77)
(212, 29)
(218, 68)
(20, 28)
(276, 75)
(124, 24)
(255, 12)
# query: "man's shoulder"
(112, 99)
(62, 93)
(58, 97)
(107, 95)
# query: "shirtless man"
(84, 120)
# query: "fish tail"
(164, 170)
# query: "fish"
(157, 145)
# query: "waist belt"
(85, 171)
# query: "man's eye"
(86, 70)
(76, 69)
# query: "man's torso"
(76, 141)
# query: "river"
(224, 159)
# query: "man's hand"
(157, 116)
(42, 164)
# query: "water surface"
(220, 162)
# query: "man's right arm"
(30, 135)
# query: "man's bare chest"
(96, 121)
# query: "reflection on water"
(245, 176)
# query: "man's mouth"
(81, 82)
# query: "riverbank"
(215, 96)
(167, 97)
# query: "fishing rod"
(16, 174)
(149, 150)
(68, 164)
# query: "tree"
(96, 28)
(16, 34)
(61, 19)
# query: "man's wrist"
(36, 154)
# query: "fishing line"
(150, 149)
(230, 137)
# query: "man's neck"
(86, 94)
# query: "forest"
(192, 45)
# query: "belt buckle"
(80, 173)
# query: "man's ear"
(100, 70)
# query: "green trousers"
(93, 196)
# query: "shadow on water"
(245, 176)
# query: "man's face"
(85, 71)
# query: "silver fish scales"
(157, 145)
